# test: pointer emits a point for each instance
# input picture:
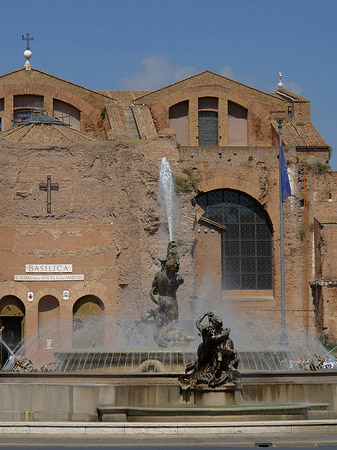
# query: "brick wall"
(115, 185)
(35, 82)
(262, 107)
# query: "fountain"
(137, 364)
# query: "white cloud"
(157, 72)
(228, 72)
(292, 86)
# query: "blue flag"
(285, 185)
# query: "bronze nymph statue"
(217, 361)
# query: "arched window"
(178, 117)
(25, 106)
(246, 244)
(67, 114)
(208, 121)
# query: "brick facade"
(105, 218)
(35, 82)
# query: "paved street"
(317, 441)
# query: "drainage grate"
(264, 444)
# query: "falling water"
(167, 193)
(10, 352)
(127, 348)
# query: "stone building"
(80, 225)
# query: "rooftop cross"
(27, 53)
(27, 38)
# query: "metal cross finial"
(280, 84)
(27, 38)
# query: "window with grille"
(208, 128)
(246, 244)
(208, 121)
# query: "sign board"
(49, 277)
(43, 268)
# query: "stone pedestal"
(227, 395)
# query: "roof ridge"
(57, 78)
(291, 94)
(213, 73)
(13, 71)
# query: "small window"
(208, 104)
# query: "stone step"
(296, 411)
(131, 124)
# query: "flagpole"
(283, 337)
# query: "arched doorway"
(88, 322)
(49, 322)
(12, 315)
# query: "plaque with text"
(49, 277)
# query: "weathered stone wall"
(105, 220)
(256, 172)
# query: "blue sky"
(146, 44)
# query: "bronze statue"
(217, 361)
(165, 285)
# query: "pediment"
(207, 81)
(40, 79)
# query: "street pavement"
(77, 442)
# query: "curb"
(169, 429)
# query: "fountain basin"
(193, 413)
(75, 396)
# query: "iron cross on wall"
(49, 186)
